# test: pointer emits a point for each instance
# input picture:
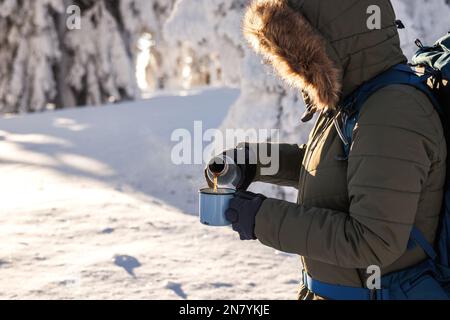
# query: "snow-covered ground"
(92, 207)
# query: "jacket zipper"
(318, 134)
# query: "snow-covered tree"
(43, 63)
(144, 20)
(211, 30)
(98, 56)
(190, 42)
(29, 51)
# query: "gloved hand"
(248, 170)
(242, 213)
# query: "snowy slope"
(92, 208)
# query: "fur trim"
(295, 49)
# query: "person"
(352, 213)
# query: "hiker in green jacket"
(356, 212)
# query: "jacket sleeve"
(283, 167)
(388, 166)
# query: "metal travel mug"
(212, 206)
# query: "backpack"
(429, 73)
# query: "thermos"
(226, 170)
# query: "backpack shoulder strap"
(352, 106)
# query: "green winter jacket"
(356, 213)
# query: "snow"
(92, 208)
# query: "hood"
(323, 47)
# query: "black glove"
(248, 170)
(242, 213)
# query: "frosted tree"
(210, 29)
(43, 63)
(98, 60)
(144, 21)
(106, 51)
(28, 53)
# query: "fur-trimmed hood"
(323, 47)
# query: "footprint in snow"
(107, 231)
(128, 263)
(177, 289)
(3, 263)
(219, 285)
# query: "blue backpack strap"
(444, 238)
(399, 74)
(337, 292)
(418, 238)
